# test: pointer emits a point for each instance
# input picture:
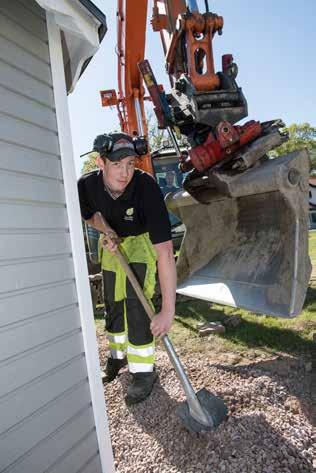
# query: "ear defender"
(140, 145)
(103, 144)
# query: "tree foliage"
(301, 136)
(90, 163)
(156, 137)
(160, 138)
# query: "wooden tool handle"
(137, 288)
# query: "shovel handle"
(136, 286)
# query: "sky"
(272, 41)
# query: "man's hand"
(161, 324)
(110, 241)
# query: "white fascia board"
(80, 29)
(78, 247)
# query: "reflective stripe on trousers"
(140, 358)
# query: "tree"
(300, 136)
(159, 138)
(90, 163)
(156, 137)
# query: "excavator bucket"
(246, 239)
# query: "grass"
(257, 335)
(255, 332)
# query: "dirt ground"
(268, 429)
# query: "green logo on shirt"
(129, 214)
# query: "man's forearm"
(167, 277)
(98, 222)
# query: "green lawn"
(256, 332)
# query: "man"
(127, 206)
(169, 187)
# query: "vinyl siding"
(47, 421)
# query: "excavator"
(245, 214)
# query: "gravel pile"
(268, 429)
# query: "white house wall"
(47, 422)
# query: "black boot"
(112, 369)
(140, 387)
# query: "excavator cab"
(170, 180)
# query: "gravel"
(268, 428)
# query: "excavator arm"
(131, 33)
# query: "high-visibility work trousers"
(126, 322)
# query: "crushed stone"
(268, 430)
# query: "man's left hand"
(161, 324)
(110, 241)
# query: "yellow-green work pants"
(126, 322)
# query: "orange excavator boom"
(131, 39)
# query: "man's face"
(118, 174)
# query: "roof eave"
(83, 27)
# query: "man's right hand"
(110, 241)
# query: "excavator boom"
(131, 32)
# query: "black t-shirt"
(140, 209)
